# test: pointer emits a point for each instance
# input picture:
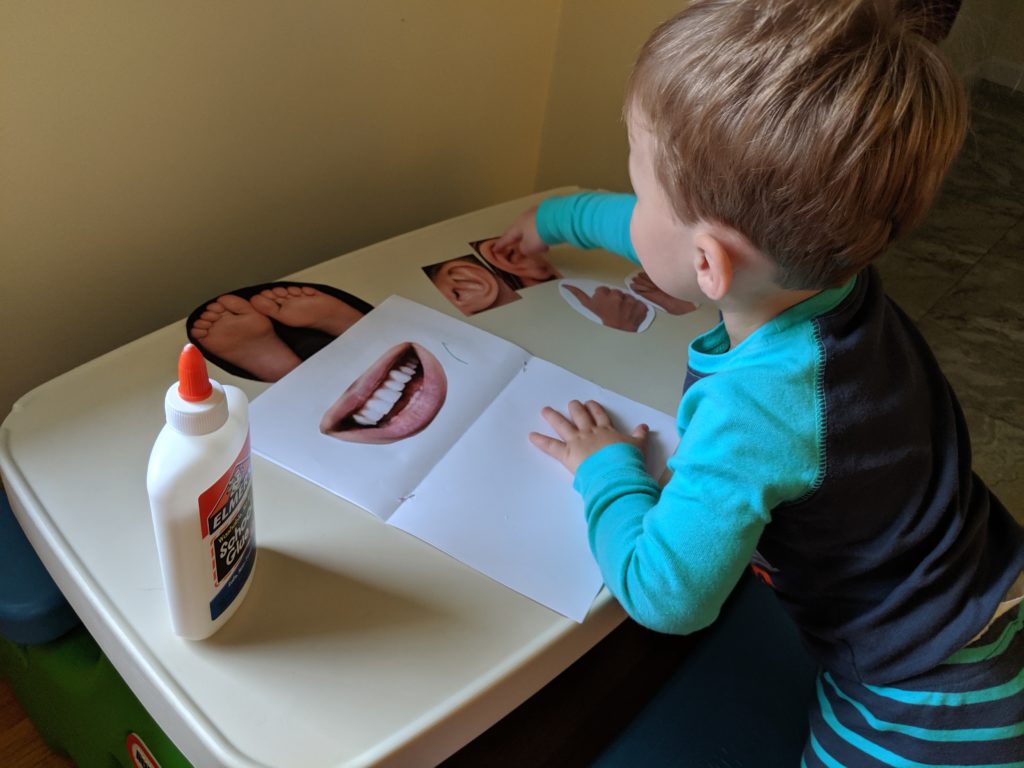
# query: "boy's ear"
(713, 263)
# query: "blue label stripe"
(234, 584)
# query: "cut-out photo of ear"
(262, 332)
(518, 269)
(469, 285)
(641, 284)
(607, 305)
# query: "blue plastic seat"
(32, 609)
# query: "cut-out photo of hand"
(607, 305)
(642, 285)
(264, 331)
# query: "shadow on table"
(292, 599)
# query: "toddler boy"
(777, 147)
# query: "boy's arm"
(671, 556)
(588, 220)
(671, 563)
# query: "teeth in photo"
(382, 400)
(376, 408)
(396, 397)
(389, 396)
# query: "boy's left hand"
(587, 430)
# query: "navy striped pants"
(968, 711)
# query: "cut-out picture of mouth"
(397, 396)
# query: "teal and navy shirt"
(828, 452)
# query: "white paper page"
(286, 419)
(501, 506)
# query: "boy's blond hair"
(819, 129)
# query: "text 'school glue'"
(200, 493)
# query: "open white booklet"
(422, 420)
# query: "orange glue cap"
(193, 380)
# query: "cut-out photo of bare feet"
(303, 306)
(264, 331)
(232, 329)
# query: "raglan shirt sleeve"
(588, 220)
(671, 556)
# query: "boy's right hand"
(587, 429)
(522, 235)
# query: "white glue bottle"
(200, 493)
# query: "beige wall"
(155, 154)
(584, 138)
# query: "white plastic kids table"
(357, 644)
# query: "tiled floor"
(961, 277)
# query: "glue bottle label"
(226, 522)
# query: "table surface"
(357, 643)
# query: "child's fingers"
(554, 448)
(531, 245)
(640, 432)
(598, 414)
(565, 428)
(506, 241)
(580, 415)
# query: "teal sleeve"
(672, 556)
(589, 220)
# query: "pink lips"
(397, 396)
